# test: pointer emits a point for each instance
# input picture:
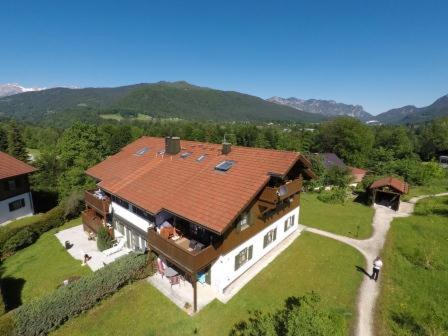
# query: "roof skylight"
(142, 151)
(201, 157)
(225, 165)
(184, 155)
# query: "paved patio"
(81, 246)
(183, 293)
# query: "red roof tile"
(10, 166)
(399, 185)
(187, 187)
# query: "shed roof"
(393, 182)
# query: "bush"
(14, 239)
(20, 240)
(7, 324)
(303, 315)
(336, 195)
(43, 315)
(103, 239)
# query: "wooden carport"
(388, 190)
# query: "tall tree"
(3, 140)
(16, 145)
(348, 137)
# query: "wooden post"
(195, 293)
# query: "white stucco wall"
(131, 217)
(27, 210)
(223, 270)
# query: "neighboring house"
(388, 190)
(357, 175)
(210, 211)
(332, 160)
(15, 196)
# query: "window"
(119, 227)
(224, 165)
(244, 221)
(120, 202)
(142, 151)
(269, 237)
(17, 204)
(289, 222)
(201, 157)
(10, 185)
(184, 155)
(242, 257)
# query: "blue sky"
(380, 54)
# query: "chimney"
(226, 147)
(172, 145)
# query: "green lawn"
(350, 219)
(22, 222)
(434, 187)
(39, 268)
(118, 117)
(414, 292)
(311, 263)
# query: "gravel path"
(370, 248)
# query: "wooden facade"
(95, 215)
(13, 186)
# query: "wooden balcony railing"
(273, 195)
(91, 220)
(102, 206)
(190, 261)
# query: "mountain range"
(12, 89)
(328, 108)
(186, 101)
(409, 114)
(160, 100)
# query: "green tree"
(300, 316)
(16, 145)
(3, 140)
(80, 147)
(433, 139)
(349, 138)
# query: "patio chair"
(175, 280)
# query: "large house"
(15, 196)
(209, 211)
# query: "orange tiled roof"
(187, 187)
(10, 166)
(358, 174)
(399, 185)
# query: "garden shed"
(388, 190)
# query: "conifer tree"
(16, 145)
(3, 140)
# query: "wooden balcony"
(274, 195)
(91, 220)
(100, 205)
(189, 261)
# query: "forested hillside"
(159, 100)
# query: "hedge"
(43, 315)
(14, 239)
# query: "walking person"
(377, 264)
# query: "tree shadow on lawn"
(362, 270)
(11, 291)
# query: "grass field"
(311, 263)
(118, 117)
(39, 268)
(350, 219)
(434, 187)
(22, 222)
(414, 292)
